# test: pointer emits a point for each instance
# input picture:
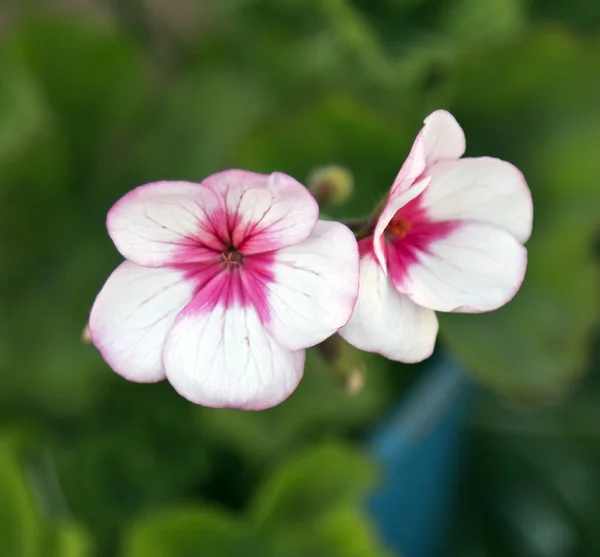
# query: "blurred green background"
(99, 96)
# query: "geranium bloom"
(225, 284)
(449, 238)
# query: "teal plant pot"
(419, 449)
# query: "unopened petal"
(387, 322)
(413, 167)
(443, 137)
(314, 286)
(132, 315)
(486, 189)
(224, 357)
(162, 222)
(473, 267)
(396, 201)
(264, 211)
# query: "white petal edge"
(155, 223)
(486, 189)
(444, 138)
(413, 166)
(315, 287)
(224, 357)
(387, 322)
(131, 318)
(478, 267)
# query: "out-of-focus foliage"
(23, 529)
(307, 507)
(99, 97)
(533, 483)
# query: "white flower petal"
(484, 189)
(444, 138)
(475, 267)
(224, 357)
(132, 315)
(164, 222)
(314, 287)
(266, 211)
(387, 322)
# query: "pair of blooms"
(227, 282)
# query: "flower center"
(232, 257)
(398, 228)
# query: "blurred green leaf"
(21, 530)
(583, 15)
(197, 125)
(102, 78)
(313, 484)
(185, 533)
(308, 507)
(477, 21)
(347, 533)
(68, 540)
(342, 533)
(22, 109)
(532, 482)
(124, 456)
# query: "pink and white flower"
(449, 238)
(225, 284)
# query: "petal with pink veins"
(224, 357)
(264, 212)
(165, 222)
(444, 138)
(387, 322)
(471, 267)
(314, 286)
(484, 189)
(132, 315)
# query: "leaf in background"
(186, 533)
(583, 15)
(21, 530)
(197, 125)
(313, 484)
(348, 533)
(138, 448)
(22, 109)
(308, 507)
(68, 540)
(477, 21)
(345, 532)
(102, 85)
(532, 480)
(28, 527)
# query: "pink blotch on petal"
(403, 253)
(236, 286)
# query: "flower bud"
(345, 364)
(331, 184)
(86, 337)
